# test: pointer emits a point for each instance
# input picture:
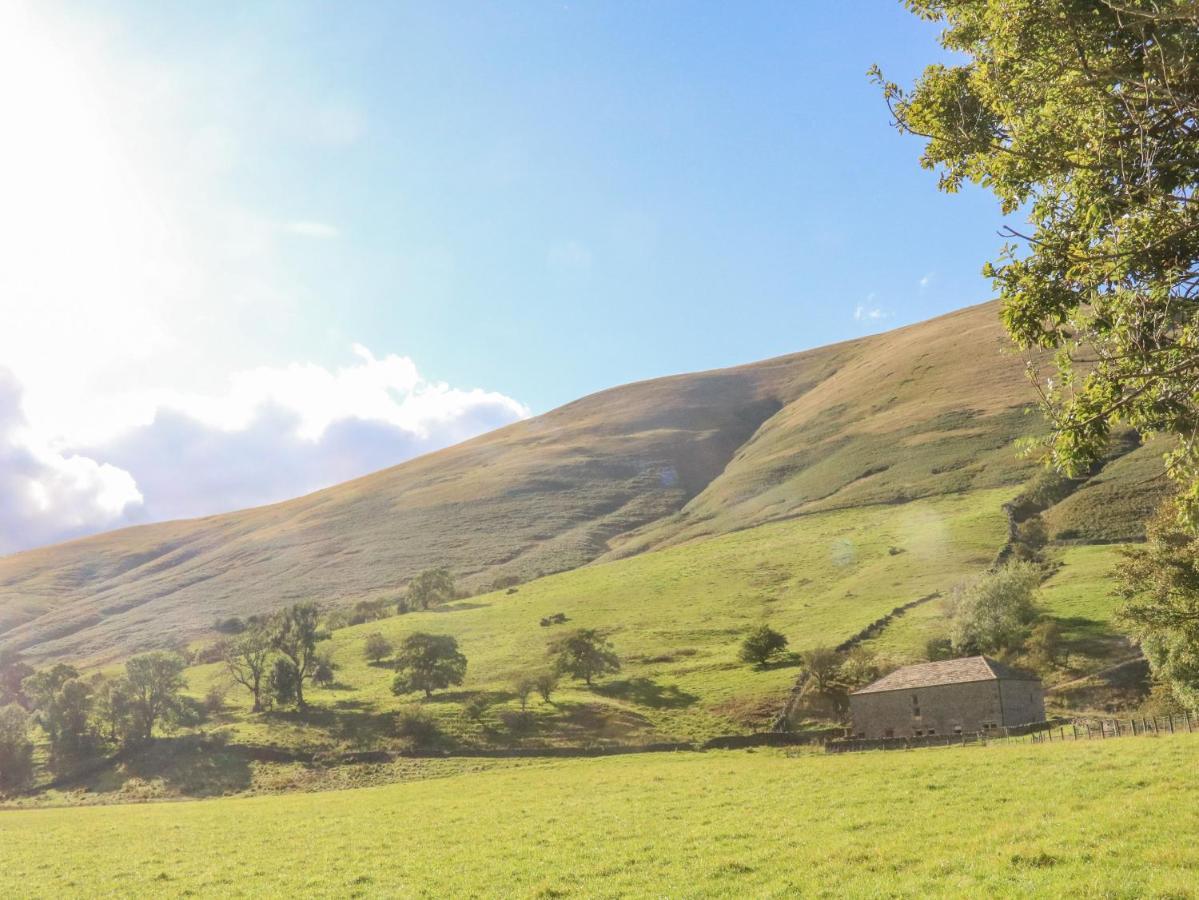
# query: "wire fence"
(1058, 730)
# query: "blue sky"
(489, 209)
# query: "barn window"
(957, 729)
(890, 732)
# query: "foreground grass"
(1090, 819)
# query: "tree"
(16, 750)
(859, 668)
(430, 588)
(13, 671)
(324, 670)
(992, 613)
(281, 683)
(294, 635)
(523, 686)
(584, 654)
(247, 658)
(1044, 642)
(113, 710)
(62, 702)
(428, 662)
(823, 665)
(377, 648)
(761, 644)
(546, 683)
(155, 682)
(1159, 584)
(1083, 115)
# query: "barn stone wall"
(943, 708)
(1022, 702)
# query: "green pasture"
(675, 617)
(1110, 819)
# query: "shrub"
(546, 683)
(376, 647)
(416, 725)
(993, 612)
(323, 670)
(214, 700)
(282, 682)
(476, 706)
(523, 687)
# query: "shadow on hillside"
(782, 661)
(349, 721)
(190, 765)
(645, 692)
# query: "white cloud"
(277, 432)
(926, 280)
(308, 228)
(867, 312)
(47, 495)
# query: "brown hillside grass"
(928, 409)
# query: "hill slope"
(925, 410)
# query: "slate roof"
(948, 671)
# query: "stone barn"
(953, 696)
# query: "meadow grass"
(676, 618)
(1102, 819)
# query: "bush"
(416, 725)
(232, 625)
(476, 706)
(283, 681)
(323, 670)
(993, 612)
(376, 647)
(555, 619)
(547, 683)
(214, 700)
(761, 644)
(523, 687)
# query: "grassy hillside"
(1047, 820)
(927, 410)
(676, 618)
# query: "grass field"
(1078, 595)
(1102, 819)
(676, 618)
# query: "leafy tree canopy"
(994, 612)
(761, 645)
(1083, 115)
(1159, 582)
(428, 662)
(584, 654)
(430, 588)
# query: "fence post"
(1171, 721)
(1116, 722)
(1074, 726)
(1155, 725)
(1087, 726)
